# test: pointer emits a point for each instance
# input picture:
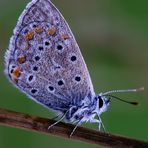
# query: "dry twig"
(33, 123)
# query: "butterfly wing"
(44, 60)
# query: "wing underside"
(43, 59)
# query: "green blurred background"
(113, 37)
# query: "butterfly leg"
(78, 124)
(96, 121)
(59, 115)
(100, 124)
(58, 120)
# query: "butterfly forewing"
(44, 60)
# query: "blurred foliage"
(113, 37)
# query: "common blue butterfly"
(44, 61)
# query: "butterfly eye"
(100, 102)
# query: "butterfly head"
(103, 103)
(105, 98)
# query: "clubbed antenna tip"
(140, 88)
(134, 103)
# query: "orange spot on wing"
(21, 60)
(51, 31)
(29, 35)
(65, 36)
(16, 73)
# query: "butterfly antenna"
(128, 90)
(120, 91)
(129, 102)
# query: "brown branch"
(33, 123)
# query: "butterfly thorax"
(88, 110)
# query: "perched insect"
(44, 61)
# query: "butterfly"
(44, 61)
